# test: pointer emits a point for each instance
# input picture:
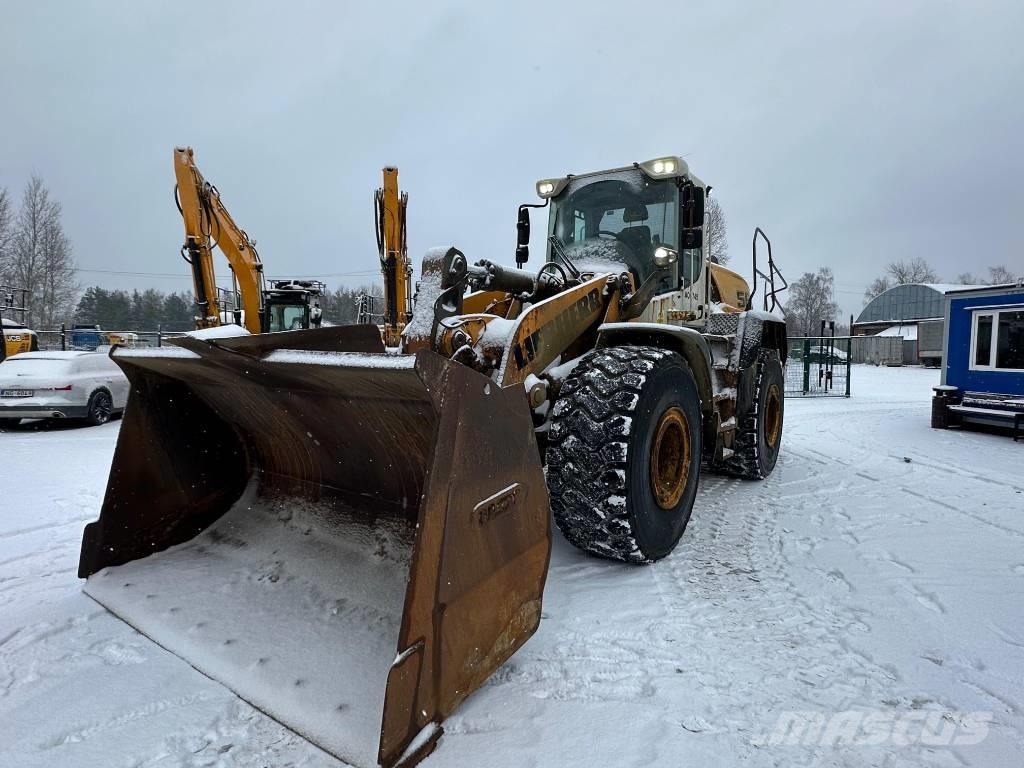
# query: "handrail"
(768, 278)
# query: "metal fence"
(88, 339)
(819, 366)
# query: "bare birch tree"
(59, 288)
(6, 233)
(997, 275)
(811, 300)
(878, 286)
(40, 257)
(916, 270)
(716, 240)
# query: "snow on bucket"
(350, 540)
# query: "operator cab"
(618, 218)
(616, 223)
(292, 305)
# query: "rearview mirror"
(523, 236)
(692, 238)
(693, 206)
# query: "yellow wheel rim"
(773, 416)
(670, 458)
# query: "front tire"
(101, 407)
(623, 457)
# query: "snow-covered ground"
(861, 607)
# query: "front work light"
(551, 187)
(664, 167)
(664, 257)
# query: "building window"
(997, 340)
(1010, 341)
(982, 341)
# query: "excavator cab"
(292, 305)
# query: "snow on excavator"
(354, 538)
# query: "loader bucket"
(351, 540)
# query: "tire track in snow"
(237, 735)
(875, 462)
(84, 732)
(959, 472)
(35, 634)
(961, 511)
(45, 527)
(732, 581)
(9, 636)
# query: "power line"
(134, 274)
(327, 274)
(177, 276)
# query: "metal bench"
(992, 409)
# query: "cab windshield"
(607, 222)
(287, 317)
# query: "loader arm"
(207, 222)
(550, 327)
(515, 324)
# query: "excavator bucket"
(351, 540)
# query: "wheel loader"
(354, 539)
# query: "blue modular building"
(983, 359)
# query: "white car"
(61, 385)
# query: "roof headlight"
(550, 187)
(663, 167)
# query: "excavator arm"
(394, 257)
(207, 222)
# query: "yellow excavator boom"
(207, 222)
(394, 257)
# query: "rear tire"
(623, 457)
(757, 444)
(7, 423)
(101, 407)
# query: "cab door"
(692, 262)
(694, 305)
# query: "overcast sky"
(854, 134)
